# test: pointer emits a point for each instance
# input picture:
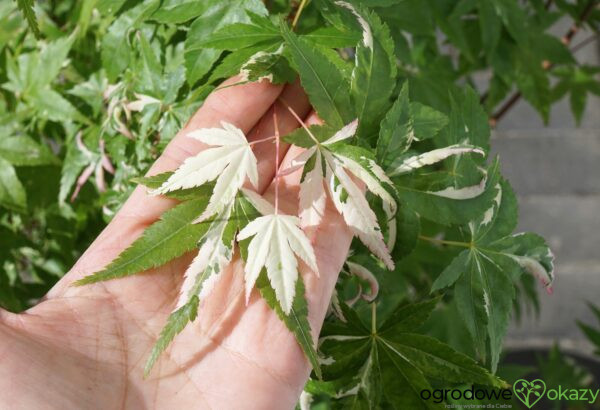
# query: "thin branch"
(584, 43)
(444, 242)
(566, 39)
(298, 13)
(302, 123)
(276, 125)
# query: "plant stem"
(276, 126)
(444, 242)
(263, 140)
(584, 43)
(302, 123)
(373, 318)
(298, 13)
(566, 39)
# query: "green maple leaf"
(272, 66)
(433, 198)
(332, 37)
(216, 15)
(171, 236)
(12, 192)
(406, 122)
(484, 273)
(175, 324)
(326, 85)
(389, 363)
(117, 52)
(259, 31)
(19, 151)
(374, 74)
(26, 7)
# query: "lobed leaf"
(170, 237)
(175, 325)
(324, 83)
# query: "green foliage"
(296, 321)
(389, 363)
(592, 333)
(166, 239)
(175, 324)
(484, 273)
(26, 7)
(85, 110)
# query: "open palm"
(85, 347)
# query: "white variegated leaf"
(276, 239)
(373, 184)
(537, 270)
(365, 274)
(312, 195)
(230, 162)
(355, 209)
(346, 132)
(367, 34)
(299, 162)
(469, 192)
(258, 202)
(213, 256)
(431, 157)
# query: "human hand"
(85, 347)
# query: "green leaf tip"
(175, 324)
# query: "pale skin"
(85, 347)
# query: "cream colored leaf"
(468, 192)
(258, 202)
(213, 256)
(230, 162)
(346, 132)
(365, 274)
(312, 195)
(431, 157)
(355, 209)
(275, 240)
(299, 161)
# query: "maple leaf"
(229, 163)
(215, 253)
(343, 164)
(276, 238)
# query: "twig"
(444, 242)
(584, 43)
(582, 18)
(276, 158)
(302, 123)
(566, 39)
(298, 13)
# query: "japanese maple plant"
(405, 162)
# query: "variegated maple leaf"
(230, 162)
(342, 165)
(276, 238)
(214, 254)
